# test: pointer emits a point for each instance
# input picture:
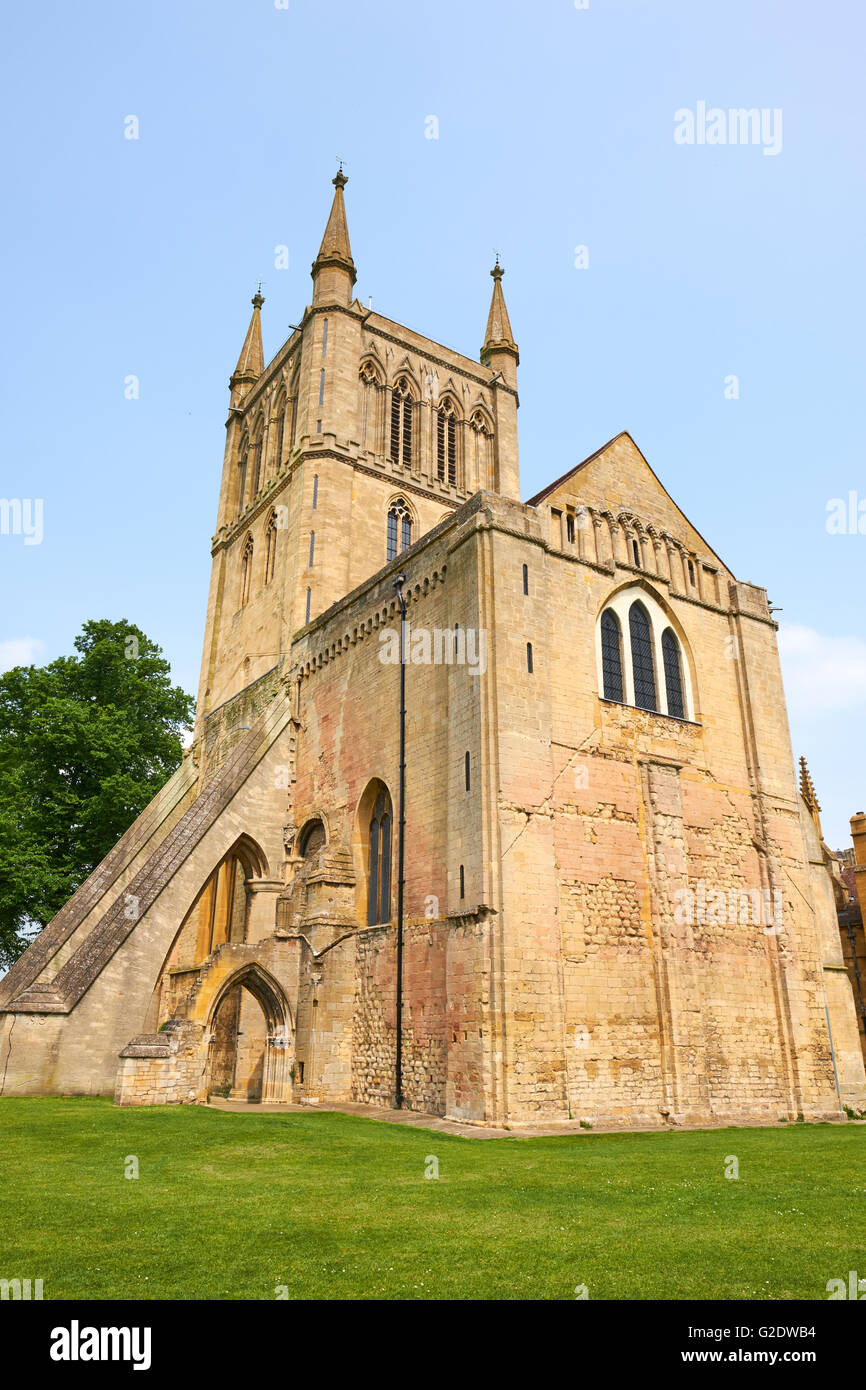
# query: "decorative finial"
(340, 181)
(258, 298)
(497, 272)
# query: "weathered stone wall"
(625, 811)
(166, 1068)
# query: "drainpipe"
(401, 826)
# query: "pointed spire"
(251, 362)
(333, 269)
(499, 339)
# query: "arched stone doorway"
(250, 1039)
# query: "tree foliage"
(85, 743)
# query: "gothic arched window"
(651, 671)
(271, 548)
(673, 674)
(399, 536)
(611, 656)
(246, 571)
(446, 443)
(643, 669)
(401, 422)
(379, 882)
(312, 839)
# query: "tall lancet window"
(379, 883)
(401, 422)
(247, 571)
(371, 396)
(399, 535)
(280, 438)
(258, 436)
(293, 402)
(673, 674)
(611, 656)
(271, 548)
(483, 437)
(643, 668)
(446, 443)
(243, 462)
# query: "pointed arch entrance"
(250, 1038)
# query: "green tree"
(85, 743)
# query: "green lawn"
(333, 1206)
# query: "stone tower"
(355, 414)
(616, 905)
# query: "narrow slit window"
(468, 771)
(315, 491)
(247, 572)
(321, 385)
(526, 579)
(242, 479)
(569, 528)
(462, 882)
(281, 435)
(643, 669)
(324, 337)
(309, 597)
(271, 548)
(529, 657)
(611, 656)
(257, 465)
(635, 550)
(312, 548)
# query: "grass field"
(333, 1206)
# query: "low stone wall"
(164, 1068)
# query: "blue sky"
(555, 130)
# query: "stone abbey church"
(615, 904)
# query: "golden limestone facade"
(616, 907)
